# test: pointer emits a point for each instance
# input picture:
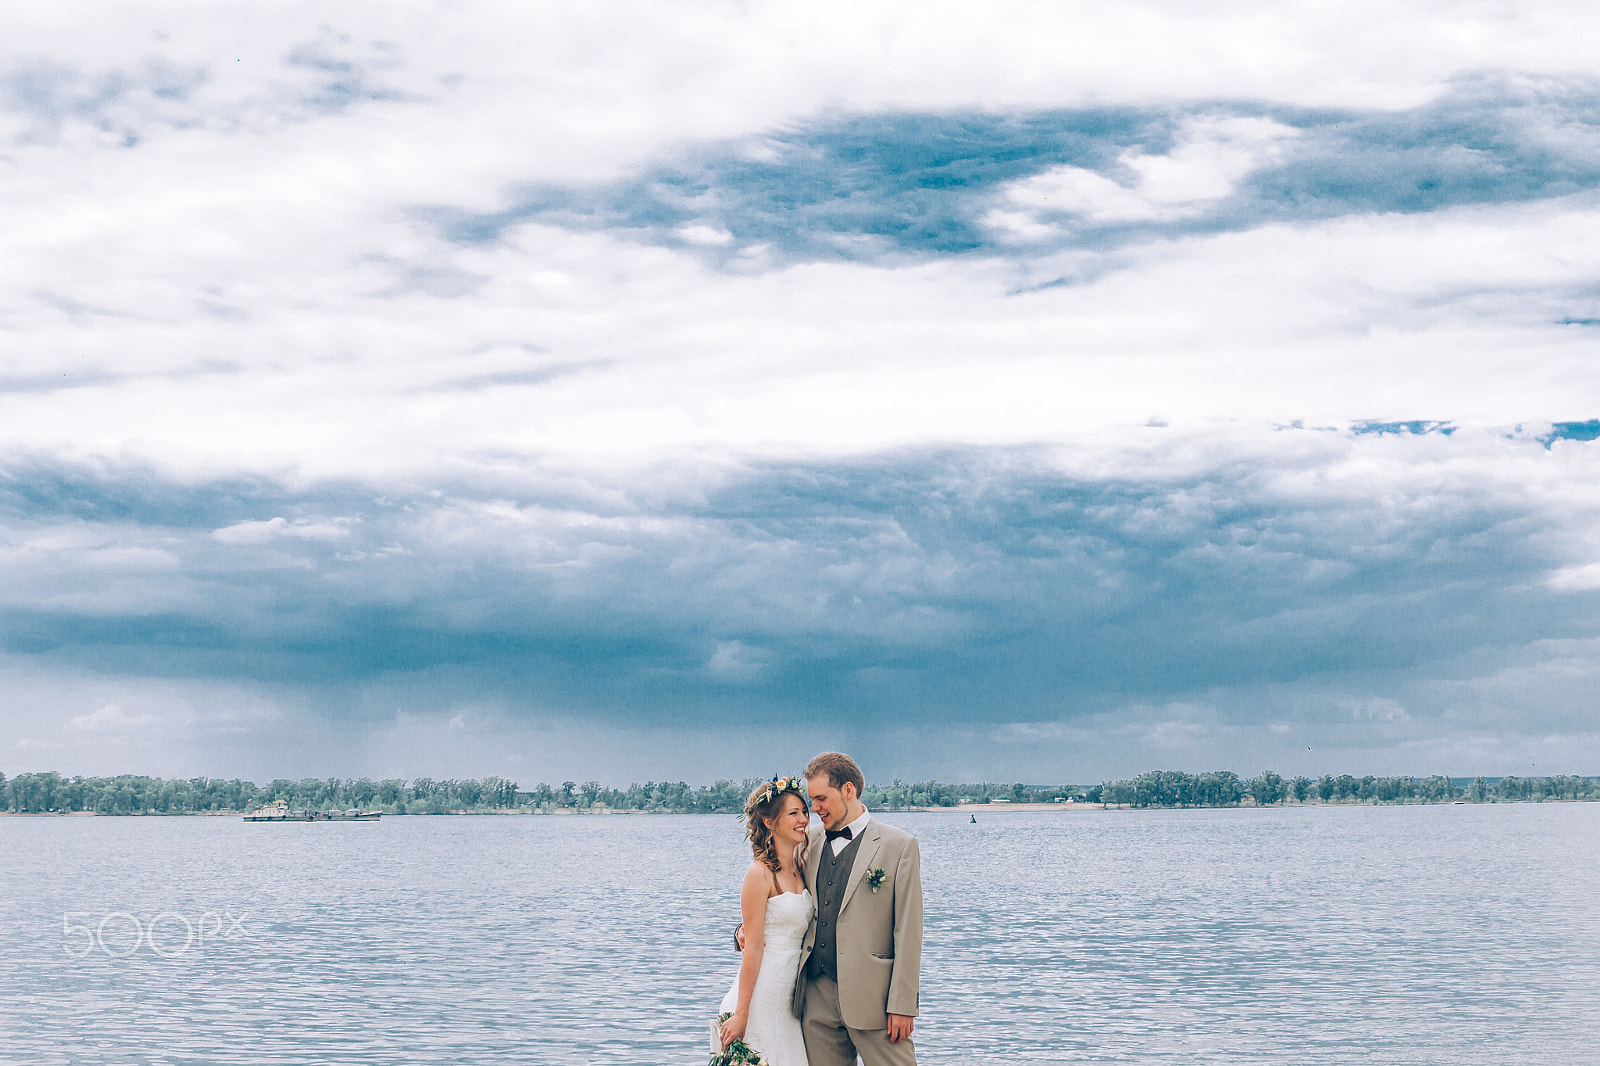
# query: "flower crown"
(778, 785)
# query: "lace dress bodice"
(788, 917)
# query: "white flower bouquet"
(736, 1052)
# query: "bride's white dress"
(773, 1030)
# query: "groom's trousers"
(829, 1042)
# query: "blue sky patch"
(1581, 431)
(1415, 427)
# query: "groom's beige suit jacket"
(879, 933)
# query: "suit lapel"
(871, 841)
(814, 859)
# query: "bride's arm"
(753, 908)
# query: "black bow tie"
(836, 833)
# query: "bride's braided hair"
(765, 802)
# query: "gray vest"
(833, 873)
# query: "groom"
(856, 992)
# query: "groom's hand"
(899, 1027)
(738, 936)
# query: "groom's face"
(830, 804)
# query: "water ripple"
(1316, 936)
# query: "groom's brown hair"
(839, 768)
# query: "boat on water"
(278, 811)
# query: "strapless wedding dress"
(773, 1030)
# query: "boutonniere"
(875, 878)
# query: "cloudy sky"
(1017, 391)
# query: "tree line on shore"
(38, 793)
(1223, 788)
(138, 794)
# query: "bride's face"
(789, 824)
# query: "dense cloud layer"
(1027, 392)
(898, 186)
(1288, 586)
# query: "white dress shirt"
(856, 828)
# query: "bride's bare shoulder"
(756, 890)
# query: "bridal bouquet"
(736, 1053)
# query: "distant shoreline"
(965, 808)
(131, 794)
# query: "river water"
(1321, 935)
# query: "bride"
(775, 901)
